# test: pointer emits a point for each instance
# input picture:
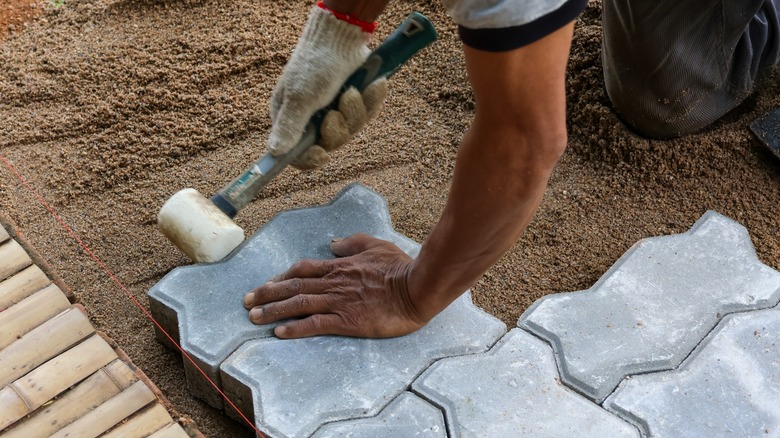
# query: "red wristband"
(366, 26)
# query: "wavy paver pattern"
(650, 310)
(680, 325)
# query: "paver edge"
(609, 402)
(599, 396)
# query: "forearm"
(366, 10)
(491, 201)
(373, 288)
(502, 168)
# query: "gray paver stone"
(407, 416)
(650, 310)
(292, 387)
(201, 305)
(514, 391)
(728, 387)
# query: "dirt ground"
(108, 107)
(16, 14)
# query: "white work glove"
(354, 111)
(328, 52)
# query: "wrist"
(429, 289)
(367, 26)
(325, 31)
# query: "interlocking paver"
(651, 309)
(641, 320)
(292, 387)
(514, 391)
(407, 416)
(729, 387)
(201, 305)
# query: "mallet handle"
(415, 33)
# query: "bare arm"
(502, 168)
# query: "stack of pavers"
(678, 339)
(58, 376)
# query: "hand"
(327, 53)
(338, 127)
(364, 294)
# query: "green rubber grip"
(414, 34)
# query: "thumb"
(276, 101)
(354, 244)
(289, 123)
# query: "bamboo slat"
(120, 373)
(31, 312)
(64, 371)
(171, 431)
(46, 382)
(110, 413)
(13, 258)
(42, 343)
(93, 391)
(13, 406)
(142, 424)
(22, 285)
(58, 377)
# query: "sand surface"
(108, 107)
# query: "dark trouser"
(672, 67)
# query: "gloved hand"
(355, 110)
(329, 50)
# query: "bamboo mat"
(59, 377)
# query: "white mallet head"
(198, 227)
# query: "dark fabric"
(510, 38)
(673, 67)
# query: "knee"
(671, 69)
(655, 112)
(649, 76)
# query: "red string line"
(125, 290)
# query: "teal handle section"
(414, 34)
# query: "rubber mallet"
(203, 228)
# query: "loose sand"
(108, 107)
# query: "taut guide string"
(125, 290)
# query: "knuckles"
(293, 286)
(302, 266)
(301, 302)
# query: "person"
(670, 68)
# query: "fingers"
(293, 307)
(314, 157)
(353, 109)
(297, 280)
(337, 127)
(374, 96)
(314, 325)
(363, 294)
(334, 131)
(306, 269)
(354, 244)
